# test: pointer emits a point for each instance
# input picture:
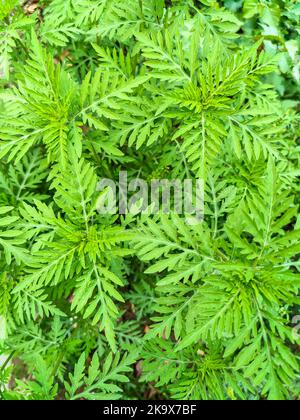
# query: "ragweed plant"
(107, 306)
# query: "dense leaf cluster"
(126, 306)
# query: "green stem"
(142, 14)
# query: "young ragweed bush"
(126, 306)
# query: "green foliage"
(113, 373)
(125, 306)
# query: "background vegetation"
(112, 307)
